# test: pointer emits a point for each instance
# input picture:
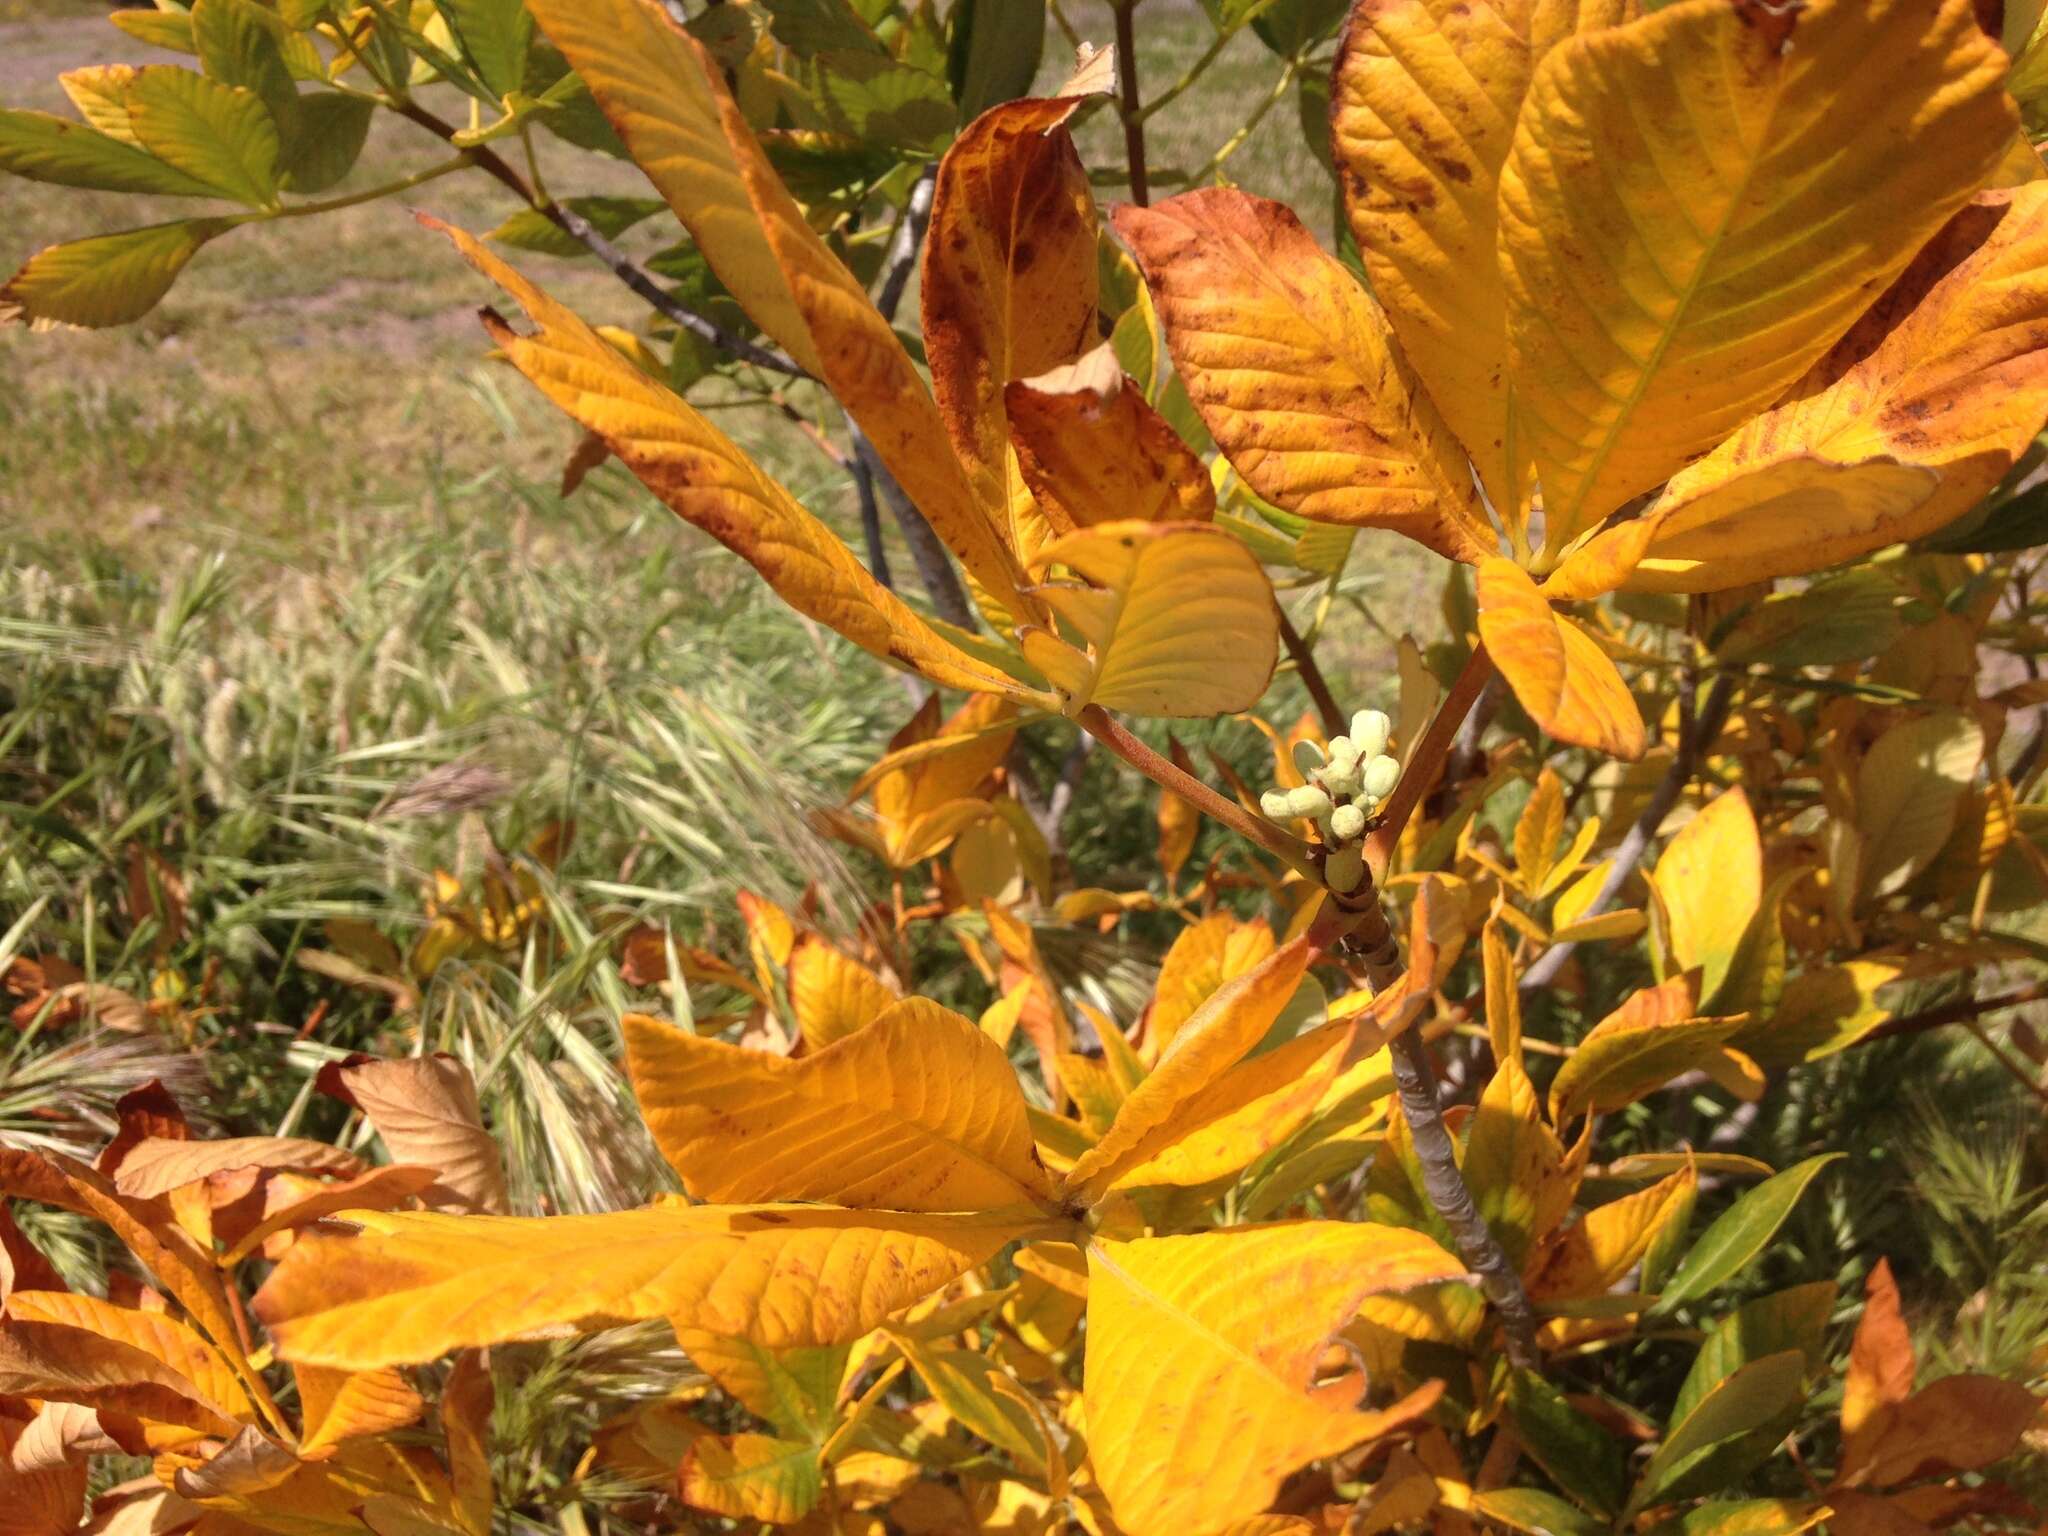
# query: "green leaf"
(1755, 977)
(219, 134)
(531, 230)
(1536, 1513)
(1740, 1233)
(495, 35)
(107, 280)
(884, 103)
(56, 150)
(238, 44)
(168, 30)
(960, 1379)
(1289, 26)
(1791, 1319)
(332, 132)
(2020, 522)
(808, 28)
(993, 53)
(1855, 614)
(1752, 1517)
(1758, 1394)
(1909, 789)
(1574, 1452)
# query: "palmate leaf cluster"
(1476, 1164)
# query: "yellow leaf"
(1202, 957)
(1202, 1351)
(1710, 879)
(1247, 1112)
(1179, 620)
(414, 1285)
(1517, 1170)
(1946, 373)
(924, 804)
(1092, 451)
(156, 1242)
(287, 1206)
(920, 1111)
(752, 1477)
(1556, 668)
(832, 995)
(1752, 521)
(1670, 273)
(164, 1339)
(1538, 830)
(1424, 100)
(668, 100)
(1590, 1256)
(345, 1405)
(105, 280)
(1222, 1031)
(709, 482)
(1503, 995)
(1294, 370)
(1909, 791)
(1009, 279)
(1636, 1049)
(219, 134)
(1051, 1294)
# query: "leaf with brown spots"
(1093, 451)
(708, 481)
(1424, 99)
(1669, 273)
(1294, 370)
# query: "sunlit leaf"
(1178, 620)
(1558, 671)
(415, 1285)
(1740, 1233)
(106, 279)
(1669, 273)
(919, 1111)
(1179, 1326)
(1710, 880)
(708, 481)
(1294, 370)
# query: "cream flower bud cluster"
(1346, 785)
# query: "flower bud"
(1274, 803)
(1346, 822)
(1308, 801)
(1344, 869)
(1308, 757)
(1380, 777)
(1343, 750)
(1370, 729)
(1342, 783)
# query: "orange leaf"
(1556, 668)
(1294, 370)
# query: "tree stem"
(1425, 764)
(1445, 1185)
(1304, 658)
(1133, 112)
(1283, 845)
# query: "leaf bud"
(1274, 803)
(1344, 869)
(1308, 801)
(1370, 729)
(1346, 822)
(1380, 777)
